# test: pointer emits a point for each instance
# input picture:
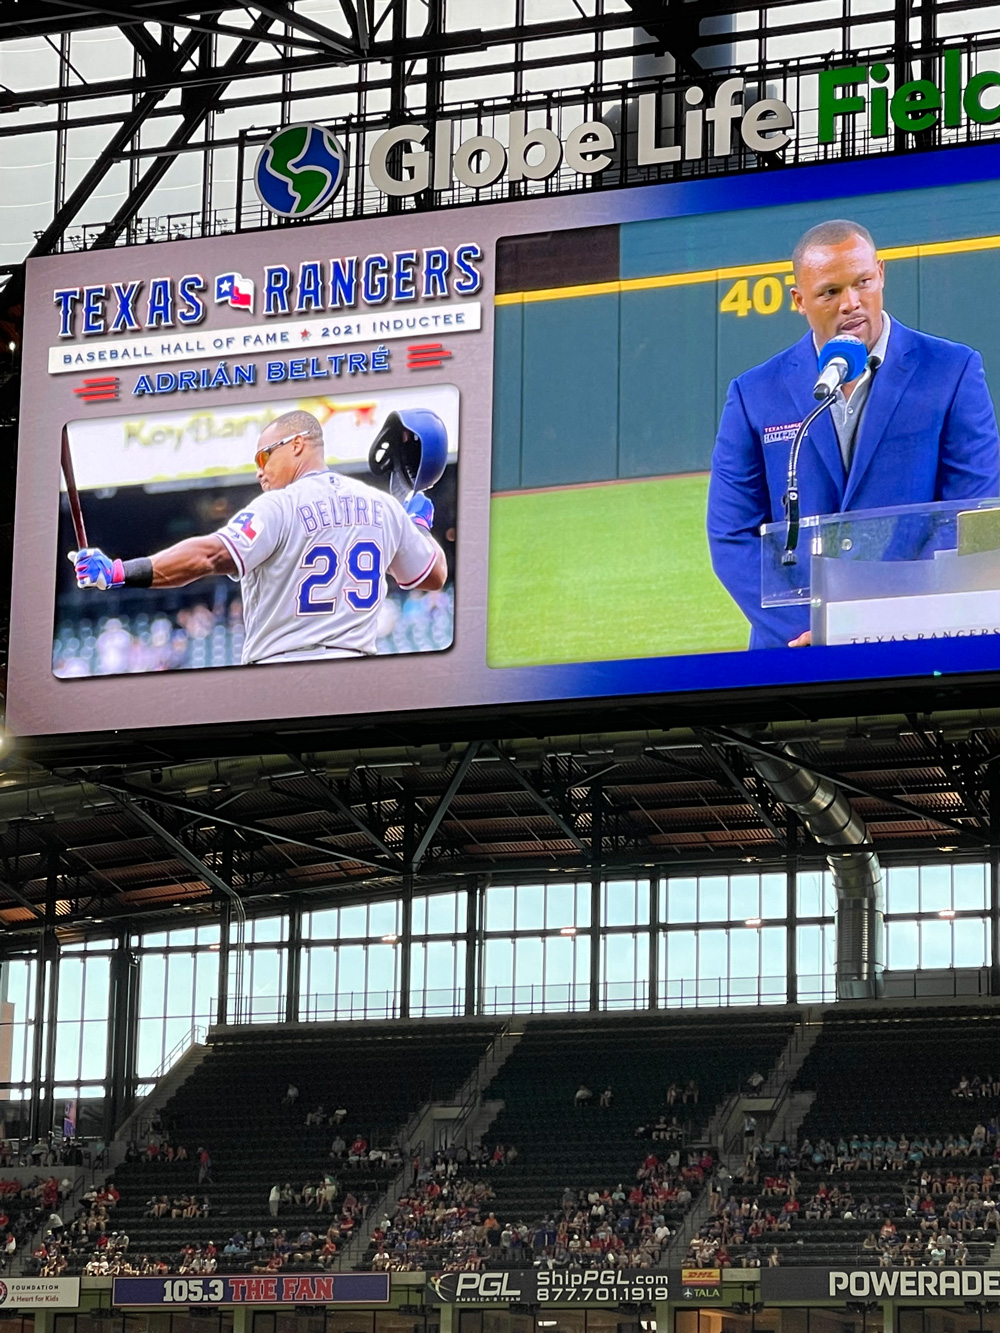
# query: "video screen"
(713, 436)
(651, 378)
(343, 578)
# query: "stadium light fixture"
(947, 913)
(754, 922)
(568, 930)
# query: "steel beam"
(719, 755)
(180, 849)
(541, 801)
(195, 113)
(322, 35)
(326, 795)
(471, 750)
(130, 793)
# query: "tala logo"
(300, 169)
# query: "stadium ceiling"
(107, 843)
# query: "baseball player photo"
(313, 563)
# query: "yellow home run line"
(736, 271)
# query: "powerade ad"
(732, 433)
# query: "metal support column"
(50, 949)
(406, 909)
(122, 1034)
(222, 993)
(654, 943)
(471, 942)
(791, 907)
(294, 973)
(596, 858)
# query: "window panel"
(582, 906)
(353, 923)
(71, 989)
(179, 991)
(437, 985)
(380, 981)
(383, 919)
(560, 905)
(902, 889)
(500, 908)
(970, 939)
(97, 991)
(744, 897)
(529, 907)
(320, 925)
(773, 895)
(682, 900)
(713, 954)
(529, 971)
(935, 944)
(625, 903)
(625, 971)
(969, 888)
(814, 893)
(902, 953)
(744, 953)
(935, 888)
(773, 955)
(713, 899)
(816, 953)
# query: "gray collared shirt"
(847, 412)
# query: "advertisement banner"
(535, 451)
(540, 1286)
(852, 1284)
(58, 1293)
(266, 1289)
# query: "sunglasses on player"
(262, 455)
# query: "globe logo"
(299, 170)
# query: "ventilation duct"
(857, 875)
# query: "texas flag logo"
(244, 523)
(234, 289)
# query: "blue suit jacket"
(928, 432)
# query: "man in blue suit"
(921, 428)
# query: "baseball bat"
(72, 493)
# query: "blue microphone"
(842, 359)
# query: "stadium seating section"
(886, 1074)
(565, 1174)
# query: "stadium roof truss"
(167, 834)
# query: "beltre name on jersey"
(312, 561)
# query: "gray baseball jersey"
(312, 561)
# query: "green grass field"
(591, 573)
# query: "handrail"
(194, 1036)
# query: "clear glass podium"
(909, 572)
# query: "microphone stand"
(790, 500)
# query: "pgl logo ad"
(299, 170)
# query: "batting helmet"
(412, 447)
